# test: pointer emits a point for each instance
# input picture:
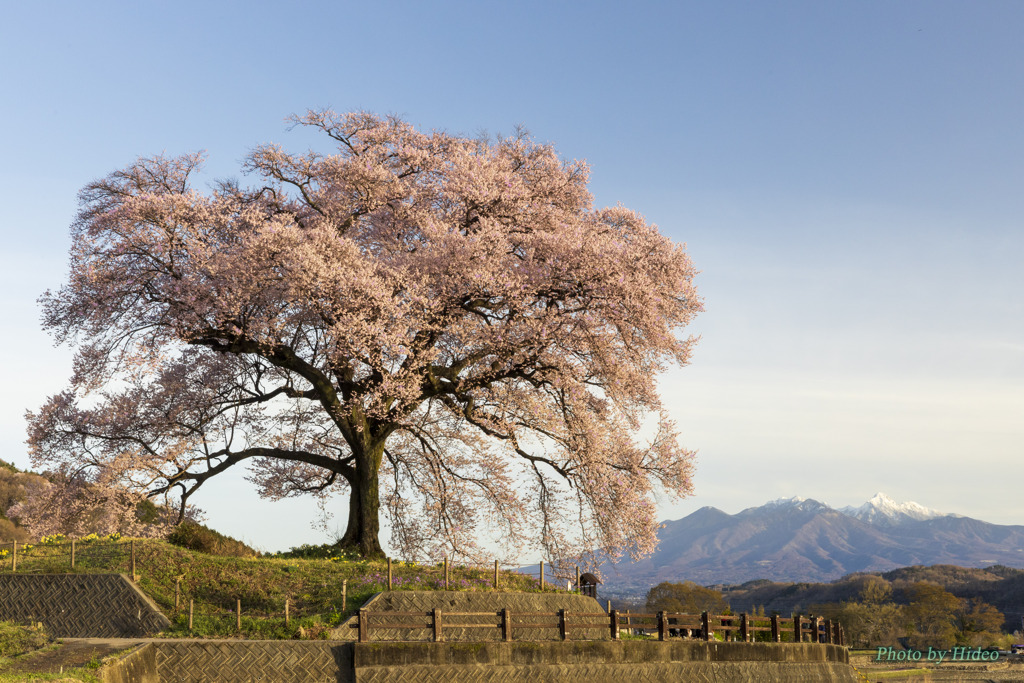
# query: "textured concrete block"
(80, 605)
(268, 661)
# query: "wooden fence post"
(438, 633)
(177, 592)
(705, 625)
(776, 638)
(743, 627)
(446, 572)
(615, 624)
(72, 553)
(238, 614)
(14, 557)
(815, 625)
(797, 636)
(364, 626)
(134, 577)
(344, 594)
(286, 619)
(542, 574)
(662, 626)
(828, 631)
(577, 578)
(506, 624)
(561, 624)
(190, 614)
(495, 575)
(389, 573)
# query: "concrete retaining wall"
(593, 662)
(80, 605)
(559, 662)
(137, 666)
(477, 601)
(234, 661)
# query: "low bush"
(195, 536)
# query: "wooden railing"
(737, 627)
(740, 627)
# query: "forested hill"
(997, 585)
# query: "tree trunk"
(363, 529)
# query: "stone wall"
(543, 662)
(80, 605)
(597, 662)
(270, 661)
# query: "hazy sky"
(849, 179)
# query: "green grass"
(310, 578)
(625, 635)
(16, 639)
(85, 674)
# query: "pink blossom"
(387, 323)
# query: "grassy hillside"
(313, 586)
(214, 571)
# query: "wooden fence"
(121, 555)
(13, 556)
(44, 557)
(736, 627)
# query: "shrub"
(196, 536)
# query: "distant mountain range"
(799, 539)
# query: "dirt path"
(68, 654)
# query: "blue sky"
(847, 176)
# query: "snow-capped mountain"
(801, 539)
(883, 510)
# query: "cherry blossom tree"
(441, 328)
(71, 504)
